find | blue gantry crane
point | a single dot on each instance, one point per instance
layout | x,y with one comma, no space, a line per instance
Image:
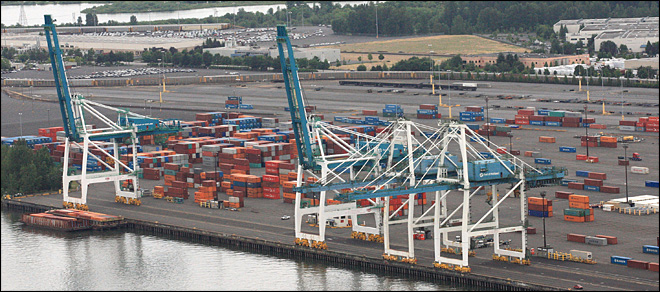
77,111
381,175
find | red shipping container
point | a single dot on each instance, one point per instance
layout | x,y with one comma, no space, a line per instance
593,182
575,185
429,106
653,267
610,239
627,123
552,119
580,157
638,264
598,175
576,237
609,189
531,230
562,195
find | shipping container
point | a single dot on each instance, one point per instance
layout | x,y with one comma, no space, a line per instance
651,183
610,239
619,260
595,241
575,237
567,149
650,249
635,264
581,254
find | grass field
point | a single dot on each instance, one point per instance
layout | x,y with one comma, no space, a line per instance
389,60
443,44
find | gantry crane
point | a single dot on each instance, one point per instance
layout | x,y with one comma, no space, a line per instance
76,112
395,162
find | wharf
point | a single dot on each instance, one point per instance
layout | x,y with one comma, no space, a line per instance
255,229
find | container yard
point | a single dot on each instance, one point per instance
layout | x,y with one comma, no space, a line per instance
228,175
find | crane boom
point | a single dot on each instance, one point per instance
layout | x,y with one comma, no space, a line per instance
61,83
295,98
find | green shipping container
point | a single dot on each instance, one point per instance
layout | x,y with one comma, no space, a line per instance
502,129
556,113
169,172
575,212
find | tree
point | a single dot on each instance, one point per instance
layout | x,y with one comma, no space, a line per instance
360,59
608,47
362,68
370,57
133,20
381,57
80,21
91,19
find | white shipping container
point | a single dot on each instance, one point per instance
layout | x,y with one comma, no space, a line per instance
581,254
607,207
639,169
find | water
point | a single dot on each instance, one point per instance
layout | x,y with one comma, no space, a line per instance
68,13
38,259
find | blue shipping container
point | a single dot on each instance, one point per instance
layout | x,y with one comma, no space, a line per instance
651,183
650,249
536,123
537,213
497,120
567,149
542,161
564,182
468,119
591,188
582,173
620,260
553,124
542,112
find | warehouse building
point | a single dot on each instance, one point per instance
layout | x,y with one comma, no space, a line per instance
632,32
529,59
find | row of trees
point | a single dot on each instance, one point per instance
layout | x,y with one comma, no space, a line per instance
197,58
27,171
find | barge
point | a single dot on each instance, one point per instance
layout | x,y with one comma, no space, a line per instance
72,220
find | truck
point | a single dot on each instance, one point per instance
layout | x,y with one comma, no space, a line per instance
635,157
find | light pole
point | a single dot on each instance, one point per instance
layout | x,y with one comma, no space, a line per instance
543,216
449,87
510,145
625,157
431,69
586,130
20,120
48,110
488,123
177,13
215,177
376,18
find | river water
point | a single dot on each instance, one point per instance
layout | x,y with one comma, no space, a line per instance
40,259
68,13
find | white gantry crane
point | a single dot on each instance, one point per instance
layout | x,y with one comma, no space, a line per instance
76,113
403,160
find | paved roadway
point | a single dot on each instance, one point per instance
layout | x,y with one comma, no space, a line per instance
262,215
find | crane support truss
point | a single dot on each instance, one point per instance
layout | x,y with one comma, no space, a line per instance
372,170
76,112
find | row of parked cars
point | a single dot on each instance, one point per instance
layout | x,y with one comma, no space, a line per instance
130,72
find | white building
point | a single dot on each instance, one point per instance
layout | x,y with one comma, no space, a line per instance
632,32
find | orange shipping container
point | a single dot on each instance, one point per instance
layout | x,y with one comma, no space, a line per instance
546,139
536,200
607,139
578,198
573,218
578,205
289,195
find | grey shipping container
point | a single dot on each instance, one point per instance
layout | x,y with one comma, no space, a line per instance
627,128
581,254
595,240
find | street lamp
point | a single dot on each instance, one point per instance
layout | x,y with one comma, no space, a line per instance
510,147
543,216
376,18
625,157
48,110
20,120
177,12
488,123
586,130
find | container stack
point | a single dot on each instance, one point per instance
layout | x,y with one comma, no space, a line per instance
271,186
392,110
472,114
206,192
253,187
211,118
396,202
244,123
288,195
579,210
428,111
233,102
539,207
50,132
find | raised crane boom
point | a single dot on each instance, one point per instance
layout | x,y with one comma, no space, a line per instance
295,98
61,83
